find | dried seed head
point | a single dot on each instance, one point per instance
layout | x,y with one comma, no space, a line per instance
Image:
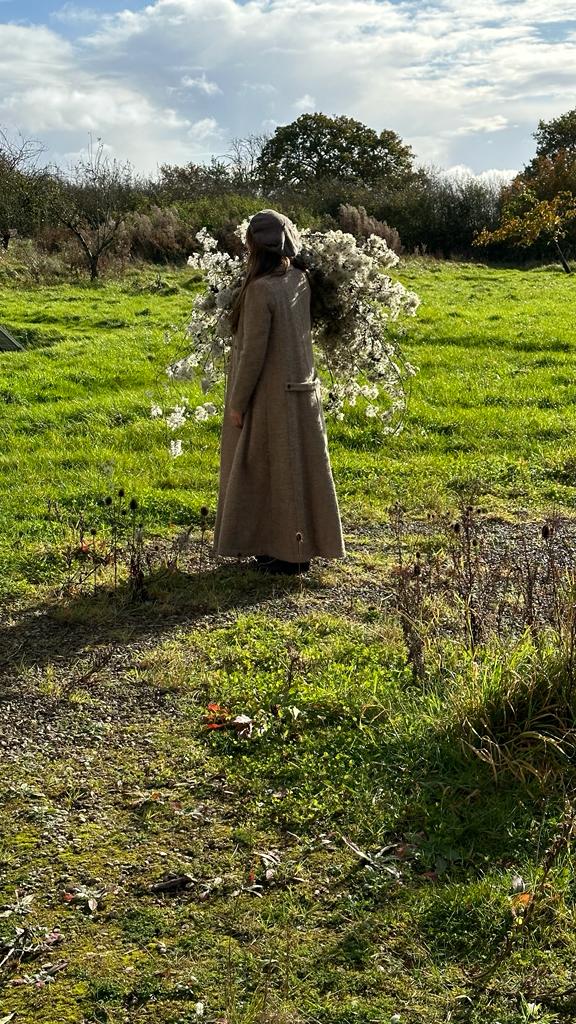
418,555
133,504
417,571
108,500
204,511
474,542
299,538
121,492
93,531
456,527
546,532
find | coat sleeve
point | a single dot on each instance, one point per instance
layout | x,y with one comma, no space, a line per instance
257,324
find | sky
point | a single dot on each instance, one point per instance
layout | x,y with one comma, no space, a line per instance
173,81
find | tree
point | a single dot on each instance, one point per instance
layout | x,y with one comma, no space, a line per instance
527,219
556,135
192,181
317,148
19,153
19,195
93,201
440,212
549,175
539,207
244,162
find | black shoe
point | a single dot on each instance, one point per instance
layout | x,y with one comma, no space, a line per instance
294,568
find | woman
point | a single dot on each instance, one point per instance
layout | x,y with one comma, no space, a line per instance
277,499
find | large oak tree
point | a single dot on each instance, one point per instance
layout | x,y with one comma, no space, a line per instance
317,148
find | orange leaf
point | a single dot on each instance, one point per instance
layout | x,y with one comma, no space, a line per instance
522,899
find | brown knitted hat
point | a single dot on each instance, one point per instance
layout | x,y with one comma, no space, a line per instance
275,232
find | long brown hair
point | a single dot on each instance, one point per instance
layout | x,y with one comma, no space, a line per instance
260,262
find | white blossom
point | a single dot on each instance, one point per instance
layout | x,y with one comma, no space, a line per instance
351,338
205,412
156,412
176,448
242,230
184,369
177,418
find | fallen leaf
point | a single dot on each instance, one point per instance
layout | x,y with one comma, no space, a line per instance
269,859
371,861
359,853
522,899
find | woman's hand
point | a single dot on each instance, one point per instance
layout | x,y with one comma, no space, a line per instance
237,418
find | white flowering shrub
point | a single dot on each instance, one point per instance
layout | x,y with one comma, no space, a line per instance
353,302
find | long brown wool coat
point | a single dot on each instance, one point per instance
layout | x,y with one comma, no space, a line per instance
277,494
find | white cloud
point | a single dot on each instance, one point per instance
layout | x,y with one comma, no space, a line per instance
462,83
495,176
482,124
202,84
71,14
204,130
305,103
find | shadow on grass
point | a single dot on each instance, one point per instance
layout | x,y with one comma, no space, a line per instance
60,630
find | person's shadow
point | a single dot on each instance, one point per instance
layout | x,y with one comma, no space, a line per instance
60,631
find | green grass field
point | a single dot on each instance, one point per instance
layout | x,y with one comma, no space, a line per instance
363,857
492,407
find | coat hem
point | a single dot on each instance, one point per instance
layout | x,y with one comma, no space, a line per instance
253,552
